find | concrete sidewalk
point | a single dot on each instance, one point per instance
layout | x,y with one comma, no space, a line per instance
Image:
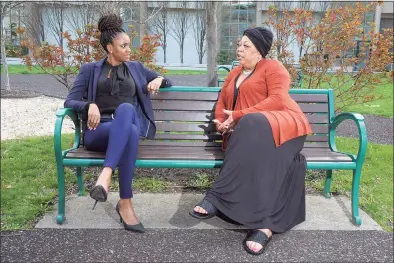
170,211
174,236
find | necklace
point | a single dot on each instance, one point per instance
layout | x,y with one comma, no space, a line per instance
245,72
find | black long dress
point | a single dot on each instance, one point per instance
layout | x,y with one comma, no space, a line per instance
261,185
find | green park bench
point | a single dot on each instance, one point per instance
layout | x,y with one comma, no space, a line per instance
294,84
187,138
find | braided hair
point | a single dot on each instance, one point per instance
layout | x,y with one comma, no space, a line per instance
109,26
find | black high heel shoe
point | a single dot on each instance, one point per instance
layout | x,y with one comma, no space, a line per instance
139,228
99,194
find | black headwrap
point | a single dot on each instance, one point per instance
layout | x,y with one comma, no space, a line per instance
261,39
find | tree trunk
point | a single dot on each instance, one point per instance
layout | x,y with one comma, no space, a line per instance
200,54
181,52
5,77
212,48
165,53
165,48
143,18
219,25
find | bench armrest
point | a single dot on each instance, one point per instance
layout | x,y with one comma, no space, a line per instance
362,133
60,115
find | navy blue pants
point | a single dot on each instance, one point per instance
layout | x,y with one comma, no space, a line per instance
119,139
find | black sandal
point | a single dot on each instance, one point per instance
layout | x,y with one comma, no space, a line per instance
207,206
258,237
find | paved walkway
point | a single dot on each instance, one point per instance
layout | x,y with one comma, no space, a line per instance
173,236
168,245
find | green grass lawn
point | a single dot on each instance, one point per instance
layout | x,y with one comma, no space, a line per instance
22,69
380,107
29,181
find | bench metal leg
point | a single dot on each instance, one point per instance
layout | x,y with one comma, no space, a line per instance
327,184
355,186
61,195
80,182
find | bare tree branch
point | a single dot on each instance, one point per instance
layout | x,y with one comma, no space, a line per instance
33,22
199,30
109,7
4,7
180,26
56,18
304,5
159,25
83,14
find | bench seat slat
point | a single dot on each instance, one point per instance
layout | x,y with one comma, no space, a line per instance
177,136
180,143
205,153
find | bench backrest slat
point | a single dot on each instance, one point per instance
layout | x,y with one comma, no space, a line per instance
209,106
211,127
183,118
209,116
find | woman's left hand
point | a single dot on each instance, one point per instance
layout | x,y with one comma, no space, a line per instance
154,85
229,124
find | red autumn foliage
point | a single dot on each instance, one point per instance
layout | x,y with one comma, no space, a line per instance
84,48
327,49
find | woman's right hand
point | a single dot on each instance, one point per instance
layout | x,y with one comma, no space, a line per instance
93,117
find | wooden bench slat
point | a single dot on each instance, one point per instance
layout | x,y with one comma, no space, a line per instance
183,127
177,136
186,96
309,97
183,116
183,105
314,108
316,138
317,118
210,105
211,127
205,153
316,145
206,117
218,137
214,96
180,143
152,155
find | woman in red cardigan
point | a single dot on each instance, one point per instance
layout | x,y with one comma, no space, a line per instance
261,184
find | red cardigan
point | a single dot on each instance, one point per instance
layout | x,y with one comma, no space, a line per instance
266,91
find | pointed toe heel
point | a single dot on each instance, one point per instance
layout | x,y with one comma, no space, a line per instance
99,194
138,228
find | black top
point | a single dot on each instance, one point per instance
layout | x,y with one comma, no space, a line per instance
115,86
